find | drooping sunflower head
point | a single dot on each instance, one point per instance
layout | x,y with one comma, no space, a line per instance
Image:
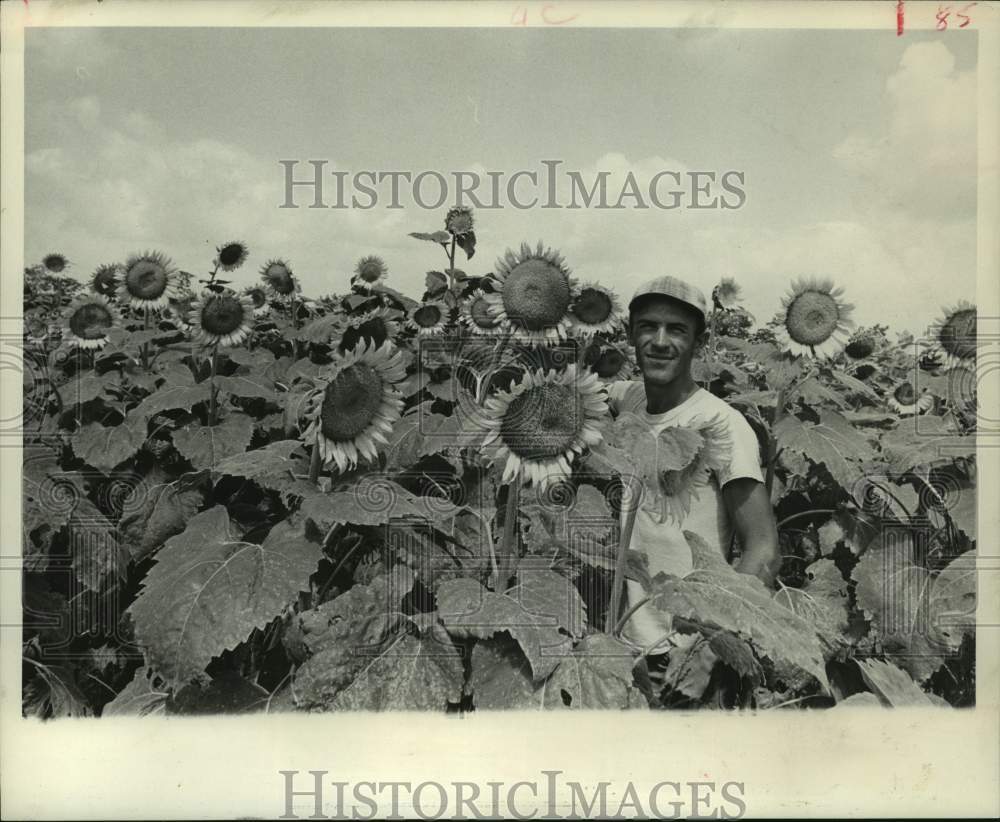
814,320
221,318
231,255
905,402
106,279
860,346
55,263
353,410
429,319
475,314
459,220
955,334
535,294
258,297
728,293
148,281
374,327
543,422
279,281
179,311
594,309
609,363
370,272
864,371
88,320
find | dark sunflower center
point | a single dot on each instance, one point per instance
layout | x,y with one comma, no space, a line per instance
280,279
257,297
863,372
105,281
221,315
231,254
54,262
812,318
592,306
536,294
427,316
375,331
370,272
146,280
90,321
480,313
542,422
350,402
958,334
904,394
459,222
859,349
609,363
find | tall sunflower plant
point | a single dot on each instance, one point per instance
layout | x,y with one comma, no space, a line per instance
361,448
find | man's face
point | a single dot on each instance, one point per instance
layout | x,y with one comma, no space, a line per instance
664,335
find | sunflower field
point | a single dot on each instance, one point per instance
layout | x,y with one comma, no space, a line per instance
240,498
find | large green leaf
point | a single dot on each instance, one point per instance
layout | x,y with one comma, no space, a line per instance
375,501
925,441
832,442
164,510
208,590
181,397
105,447
822,601
714,593
206,446
272,458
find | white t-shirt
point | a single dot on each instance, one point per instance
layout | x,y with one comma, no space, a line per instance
662,540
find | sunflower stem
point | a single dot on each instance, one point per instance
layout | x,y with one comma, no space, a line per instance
509,546
212,396
314,465
772,441
629,508
145,345
494,362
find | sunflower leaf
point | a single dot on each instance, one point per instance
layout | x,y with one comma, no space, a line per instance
247,387
596,675
500,677
925,441
164,511
270,459
375,500
321,330
138,698
442,237
208,590
105,447
206,446
467,242
715,593
435,284
170,399
893,686
832,442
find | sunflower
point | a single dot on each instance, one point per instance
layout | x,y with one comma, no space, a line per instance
55,263
179,311
369,273
258,296
148,282
955,334
88,320
459,220
353,410
231,255
609,362
105,280
543,422
535,294
595,309
814,320
864,370
727,294
221,317
474,313
279,281
374,327
905,402
429,318
860,346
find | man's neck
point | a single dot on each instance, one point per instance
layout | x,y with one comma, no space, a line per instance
661,398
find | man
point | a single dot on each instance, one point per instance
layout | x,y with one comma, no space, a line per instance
667,326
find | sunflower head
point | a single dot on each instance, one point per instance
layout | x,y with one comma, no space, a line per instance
594,309
221,317
610,364
370,272
475,314
258,298
865,371
860,346
88,320
535,294
727,294
459,220
105,280
374,328
814,319
231,255
353,409
429,318
148,281
543,422
55,263
905,402
279,281
179,310
955,334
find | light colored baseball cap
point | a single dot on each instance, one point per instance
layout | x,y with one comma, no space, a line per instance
674,288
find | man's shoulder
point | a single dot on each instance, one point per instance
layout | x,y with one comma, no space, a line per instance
627,395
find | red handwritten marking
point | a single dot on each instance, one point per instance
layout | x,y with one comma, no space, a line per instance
523,20
944,11
965,18
545,17
899,18
519,17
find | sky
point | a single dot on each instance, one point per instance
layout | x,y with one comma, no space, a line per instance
858,149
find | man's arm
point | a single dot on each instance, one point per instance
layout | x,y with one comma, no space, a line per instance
753,520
